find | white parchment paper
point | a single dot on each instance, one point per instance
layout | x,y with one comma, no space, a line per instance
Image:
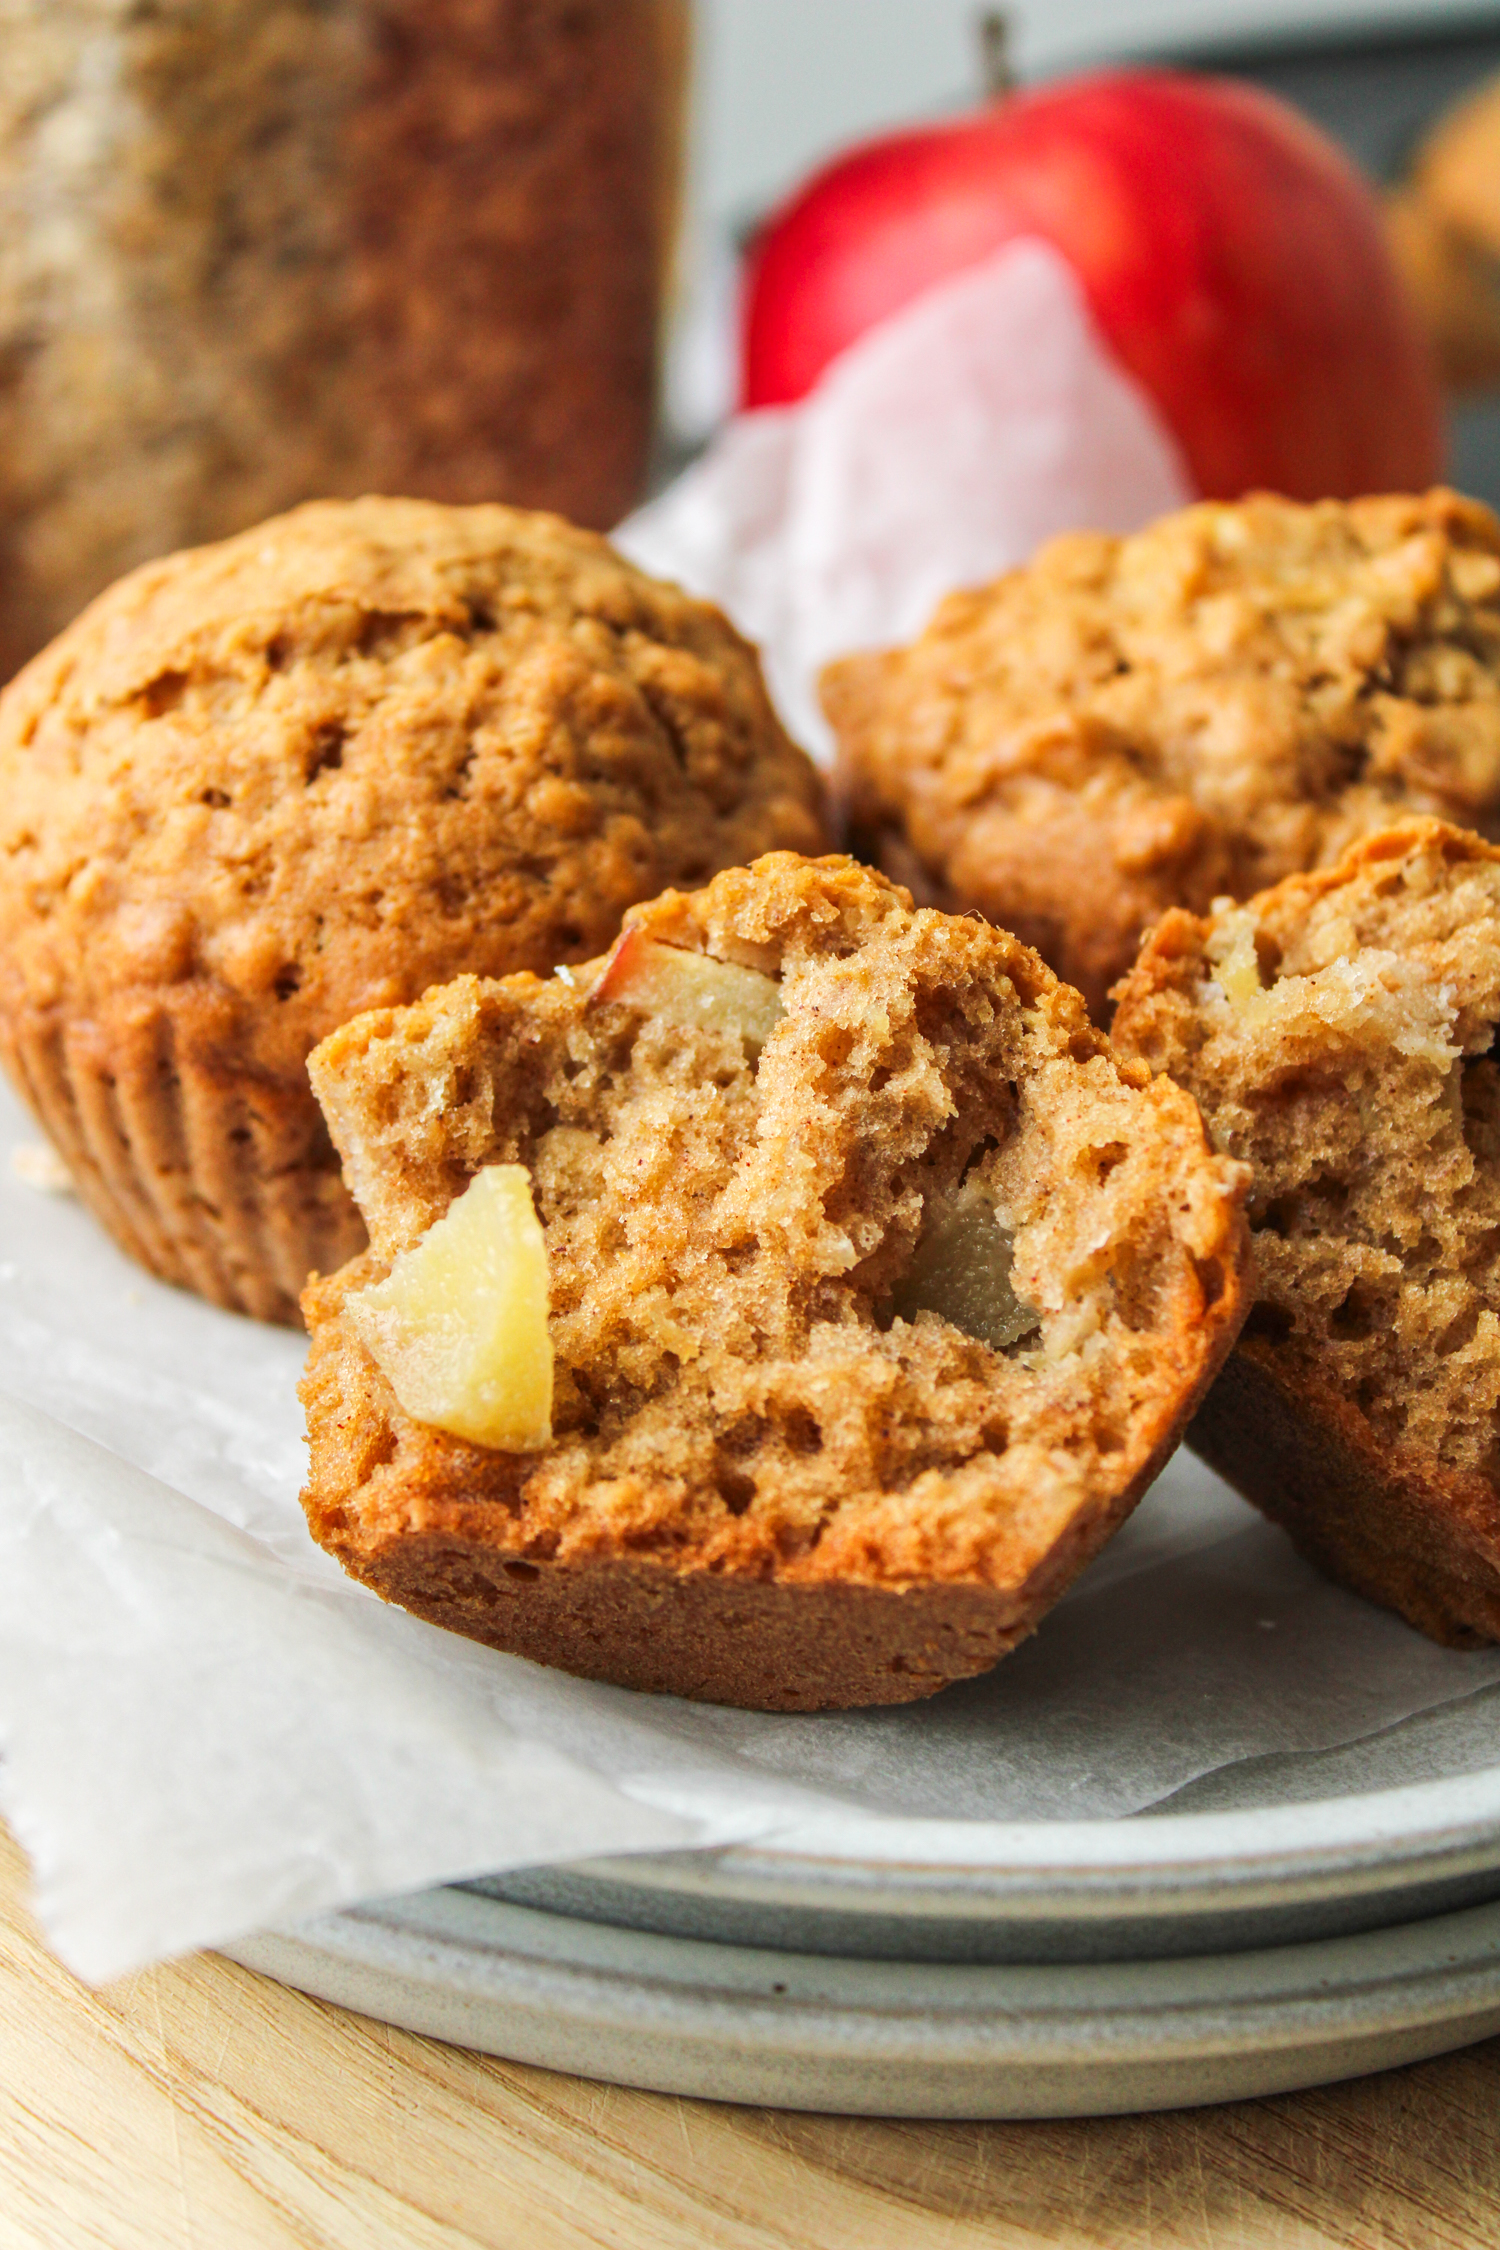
204,1728
207,1729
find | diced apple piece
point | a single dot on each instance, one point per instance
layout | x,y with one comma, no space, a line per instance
459,1325
691,989
961,1270
1236,962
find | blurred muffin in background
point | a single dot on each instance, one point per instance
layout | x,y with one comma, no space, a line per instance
261,786
1444,225
254,252
1227,697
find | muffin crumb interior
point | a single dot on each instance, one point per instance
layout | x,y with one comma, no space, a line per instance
1340,1035
748,1244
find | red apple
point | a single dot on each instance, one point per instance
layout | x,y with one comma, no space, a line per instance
1231,256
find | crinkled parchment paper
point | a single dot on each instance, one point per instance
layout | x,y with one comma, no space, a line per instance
943,447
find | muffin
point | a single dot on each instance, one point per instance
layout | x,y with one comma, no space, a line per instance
1454,277
261,786
1227,697
1444,228
1339,1033
780,1311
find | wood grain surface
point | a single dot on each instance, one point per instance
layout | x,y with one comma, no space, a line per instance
198,2107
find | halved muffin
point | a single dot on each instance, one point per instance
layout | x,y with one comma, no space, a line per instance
879,1290
1227,697
1339,1034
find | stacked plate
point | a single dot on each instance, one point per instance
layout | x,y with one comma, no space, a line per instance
1076,1968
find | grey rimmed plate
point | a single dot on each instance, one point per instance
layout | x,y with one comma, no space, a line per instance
980,1969
1061,1891
897,2038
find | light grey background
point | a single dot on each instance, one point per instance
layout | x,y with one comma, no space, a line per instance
781,85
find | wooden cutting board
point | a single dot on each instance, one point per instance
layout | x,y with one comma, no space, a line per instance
198,2107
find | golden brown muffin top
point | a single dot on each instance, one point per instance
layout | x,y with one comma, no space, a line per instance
335,759
1222,699
1455,281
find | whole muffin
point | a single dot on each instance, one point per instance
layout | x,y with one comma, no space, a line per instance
1226,698
261,786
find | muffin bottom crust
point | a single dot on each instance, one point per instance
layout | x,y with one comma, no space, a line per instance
471,1564
1414,1540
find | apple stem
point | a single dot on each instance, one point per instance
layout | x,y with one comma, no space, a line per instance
996,68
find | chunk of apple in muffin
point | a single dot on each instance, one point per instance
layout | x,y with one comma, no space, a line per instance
692,989
459,1324
962,1271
